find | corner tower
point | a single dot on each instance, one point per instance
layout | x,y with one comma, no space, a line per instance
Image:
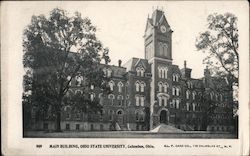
158,52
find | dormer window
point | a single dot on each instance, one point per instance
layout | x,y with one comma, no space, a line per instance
140,71
176,77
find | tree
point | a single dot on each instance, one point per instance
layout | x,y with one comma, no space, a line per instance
58,49
220,41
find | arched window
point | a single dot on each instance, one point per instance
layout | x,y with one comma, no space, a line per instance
120,85
165,72
111,85
160,45
159,72
142,100
165,87
137,86
111,99
194,105
142,72
137,100
177,91
160,101
187,94
188,106
165,49
177,104
194,94
101,98
92,96
174,77
164,100
78,92
120,99
173,91
162,72
79,80
143,86
138,71
160,86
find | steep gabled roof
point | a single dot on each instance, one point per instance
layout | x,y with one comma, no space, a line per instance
133,62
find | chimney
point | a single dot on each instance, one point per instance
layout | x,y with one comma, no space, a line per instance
206,72
186,72
119,63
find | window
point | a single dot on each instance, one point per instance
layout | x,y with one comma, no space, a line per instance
78,92
140,71
92,96
164,101
101,98
120,99
176,77
194,105
221,97
194,94
142,100
160,101
187,94
137,86
79,80
111,113
160,86
189,84
188,106
176,91
120,85
137,116
137,100
165,87
162,72
92,87
111,98
111,85
67,126
177,104
142,86
77,126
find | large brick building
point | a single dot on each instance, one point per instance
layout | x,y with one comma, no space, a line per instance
149,91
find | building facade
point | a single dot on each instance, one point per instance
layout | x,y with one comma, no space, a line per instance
151,91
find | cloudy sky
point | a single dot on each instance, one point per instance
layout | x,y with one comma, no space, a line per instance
121,25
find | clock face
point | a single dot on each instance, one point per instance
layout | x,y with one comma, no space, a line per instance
163,29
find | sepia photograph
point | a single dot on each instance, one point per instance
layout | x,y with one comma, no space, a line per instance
127,70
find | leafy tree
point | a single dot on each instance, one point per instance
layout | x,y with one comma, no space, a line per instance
220,41
56,50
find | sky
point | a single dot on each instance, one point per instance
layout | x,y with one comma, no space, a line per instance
121,25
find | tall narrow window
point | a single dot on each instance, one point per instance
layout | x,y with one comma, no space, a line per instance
160,86
187,94
142,72
164,101
120,99
177,104
142,86
194,94
166,72
142,100
137,86
160,101
111,99
188,105
111,85
120,85
137,100
138,71
165,86
173,91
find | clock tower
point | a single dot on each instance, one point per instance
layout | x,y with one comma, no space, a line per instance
158,37
158,52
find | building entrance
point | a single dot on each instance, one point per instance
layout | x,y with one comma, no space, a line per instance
164,117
